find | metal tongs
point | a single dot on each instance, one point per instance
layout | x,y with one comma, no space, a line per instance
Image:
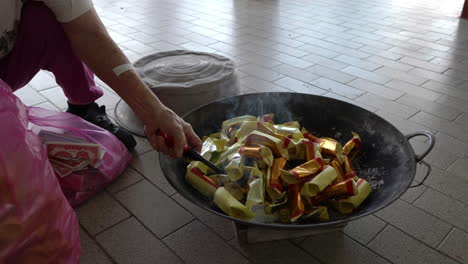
190,153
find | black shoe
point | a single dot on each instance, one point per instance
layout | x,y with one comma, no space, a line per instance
97,115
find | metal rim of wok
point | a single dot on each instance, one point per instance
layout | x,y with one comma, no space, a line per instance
207,119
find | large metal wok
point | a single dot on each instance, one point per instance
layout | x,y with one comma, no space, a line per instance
386,154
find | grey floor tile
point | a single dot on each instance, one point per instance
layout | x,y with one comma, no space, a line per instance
438,77
343,42
452,144
164,46
55,96
90,251
143,37
405,126
336,87
440,124
148,165
137,46
274,252
411,194
318,59
438,157
354,102
109,100
296,73
401,75
153,208
291,60
380,52
319,51
129,177
29,96
429,44
331,73
221,226
460,168
261,72
42,80
390,63
142,146
412,53
372,43
289,50
456,74
374,76
363,64
374,88
401,44
336,247
260,85
100,213
444,207
415,222
414,90
195,243
258,59
387,105
455,245
454,102
424,64
449,184
226,48
299,86
430,106
401,248
364,229
462,119
197,47
130,242
47,105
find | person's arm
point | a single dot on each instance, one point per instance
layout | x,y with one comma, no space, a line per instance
95,47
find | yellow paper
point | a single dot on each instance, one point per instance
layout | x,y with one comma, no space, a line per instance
212,148
234,123
235,169
346,206
291,132
275,144
232,207
263,155
235,190
196,177
319,182
256,194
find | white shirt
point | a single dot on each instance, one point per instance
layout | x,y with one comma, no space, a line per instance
10,14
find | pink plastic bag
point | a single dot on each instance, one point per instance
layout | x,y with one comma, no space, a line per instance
37,225
80,186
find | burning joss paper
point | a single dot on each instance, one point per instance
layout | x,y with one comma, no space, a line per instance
303,171
274,182
352,147
277,172
346,206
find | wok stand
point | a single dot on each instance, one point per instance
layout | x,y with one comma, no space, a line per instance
254,234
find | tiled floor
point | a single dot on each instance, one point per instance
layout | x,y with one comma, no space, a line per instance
406,60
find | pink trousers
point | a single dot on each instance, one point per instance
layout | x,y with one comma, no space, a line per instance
42,44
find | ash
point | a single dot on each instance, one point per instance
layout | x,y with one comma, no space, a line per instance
373,176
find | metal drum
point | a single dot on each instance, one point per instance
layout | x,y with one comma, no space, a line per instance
183,80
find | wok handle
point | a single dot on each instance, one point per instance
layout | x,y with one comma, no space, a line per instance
419,158
431,138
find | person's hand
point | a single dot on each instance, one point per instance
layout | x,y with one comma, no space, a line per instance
175,128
